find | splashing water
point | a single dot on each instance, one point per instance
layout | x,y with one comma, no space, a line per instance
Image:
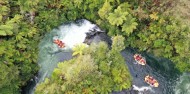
142,89
74,34
183,85
71,34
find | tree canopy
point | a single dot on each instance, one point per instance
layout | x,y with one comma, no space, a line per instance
144,24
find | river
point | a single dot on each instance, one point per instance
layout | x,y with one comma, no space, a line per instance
170,80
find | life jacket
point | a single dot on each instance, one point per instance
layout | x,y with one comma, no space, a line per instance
142,60
137,57
59,43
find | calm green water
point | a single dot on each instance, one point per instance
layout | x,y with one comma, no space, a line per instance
183,85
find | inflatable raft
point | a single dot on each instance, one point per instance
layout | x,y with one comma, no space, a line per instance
139,59
59,43
151,81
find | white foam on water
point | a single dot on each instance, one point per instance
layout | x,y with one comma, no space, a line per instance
142,89
74,34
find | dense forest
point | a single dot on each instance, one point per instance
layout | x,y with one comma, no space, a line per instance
147,25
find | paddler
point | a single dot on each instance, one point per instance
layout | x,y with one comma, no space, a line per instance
151,81
137,57
59,43
143,61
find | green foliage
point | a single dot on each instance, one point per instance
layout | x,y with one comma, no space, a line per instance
105,10
91,72
8,79
7,24
29,5
18,49
51,89
166,37
78,49
129,25
118,17
4,9
157,33
24,22
10,26
118,43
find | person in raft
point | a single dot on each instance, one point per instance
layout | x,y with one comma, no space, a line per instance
59,43
151,81
139,59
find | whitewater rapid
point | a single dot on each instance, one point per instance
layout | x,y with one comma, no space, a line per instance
71,34
74,34
50,54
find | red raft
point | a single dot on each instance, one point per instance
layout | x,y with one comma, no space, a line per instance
59,43
151,81
139,59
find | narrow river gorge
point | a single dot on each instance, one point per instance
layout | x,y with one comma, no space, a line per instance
170,80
